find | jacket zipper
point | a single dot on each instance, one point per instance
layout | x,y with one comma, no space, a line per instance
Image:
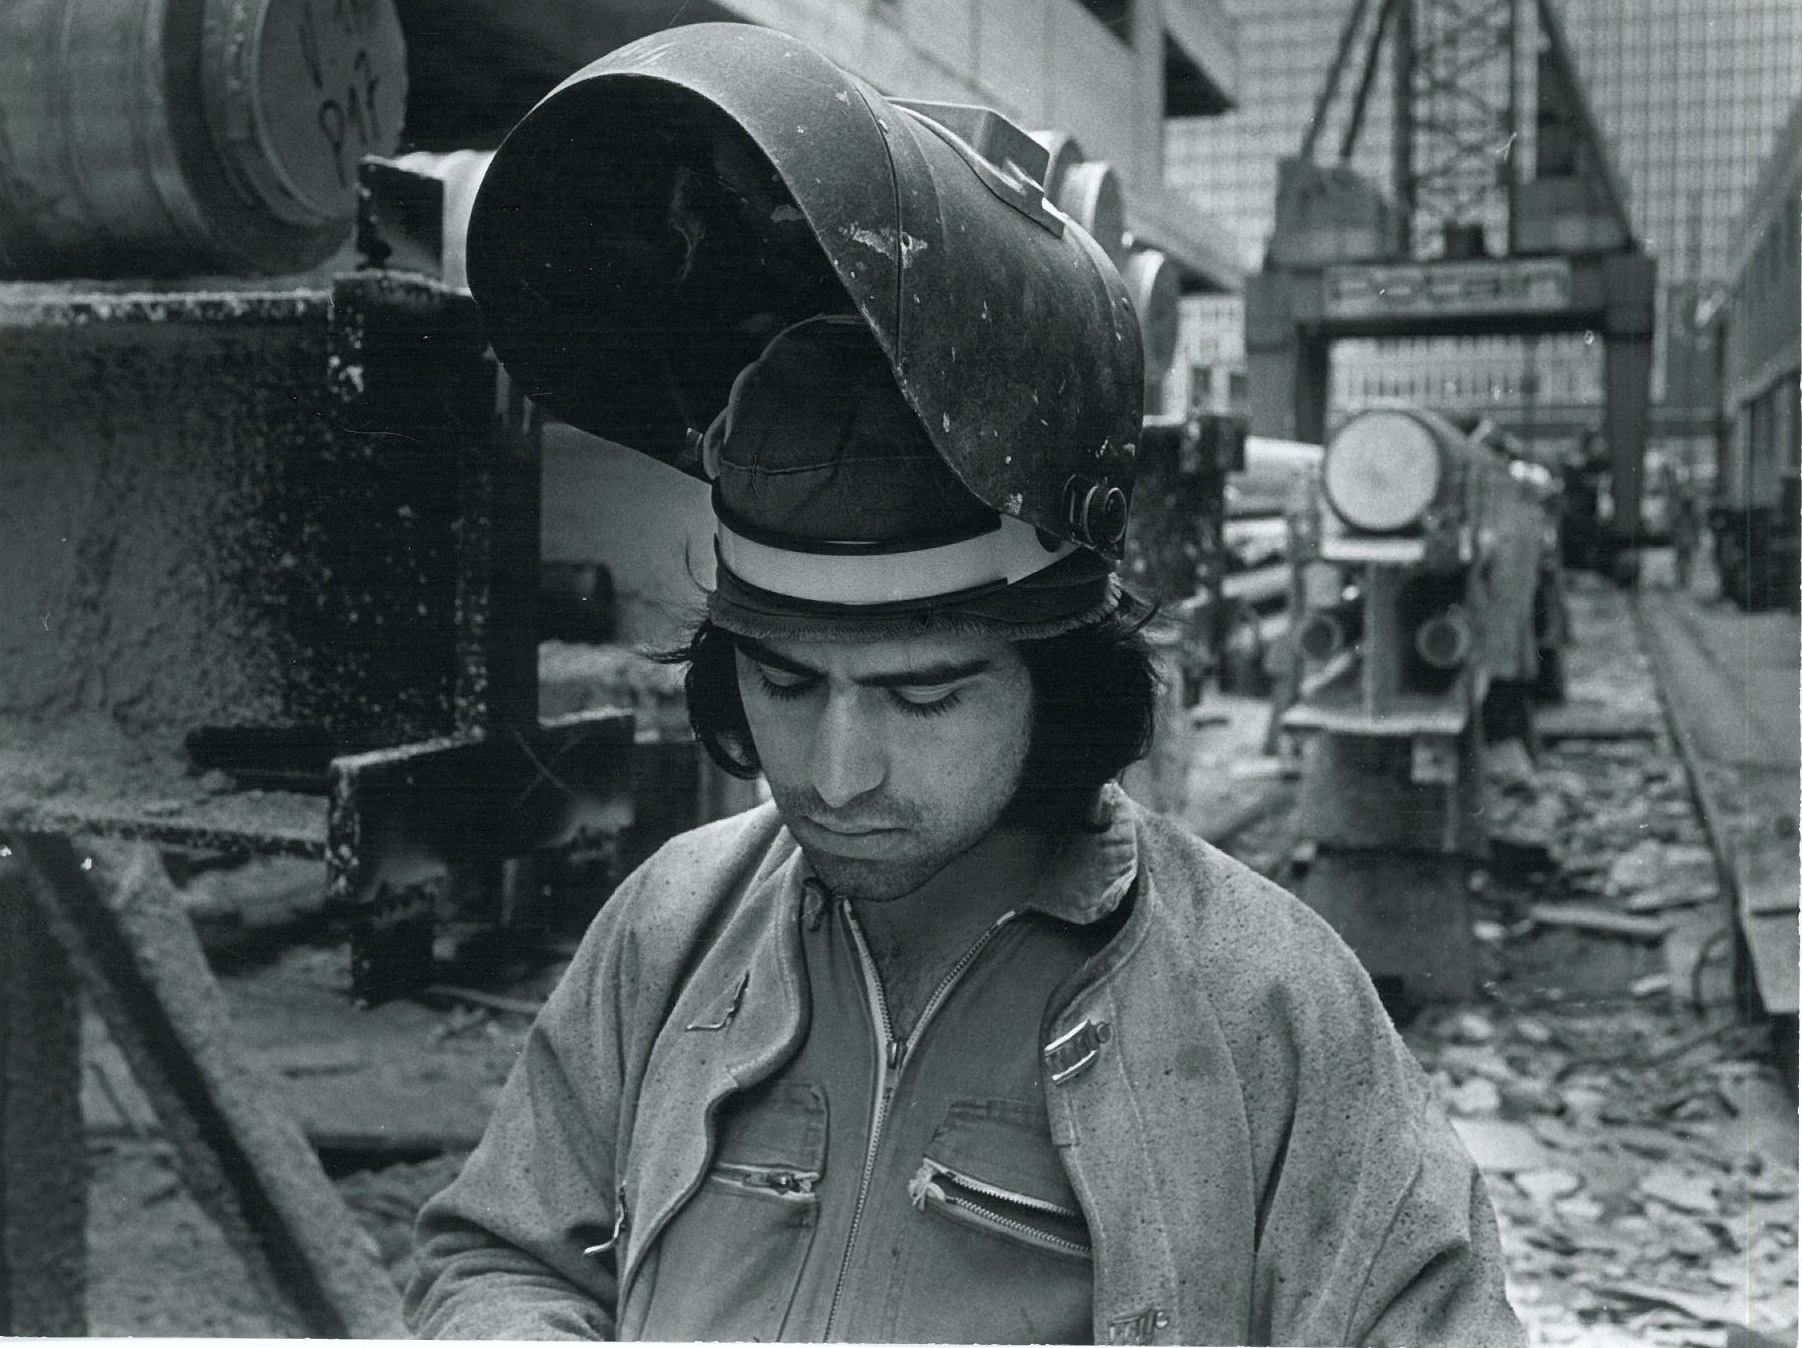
766,1179
965,1193
891,1058
611,1244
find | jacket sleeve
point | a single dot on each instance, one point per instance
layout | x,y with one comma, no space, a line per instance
1420,1259
1457,1295
1375,1227
500,1252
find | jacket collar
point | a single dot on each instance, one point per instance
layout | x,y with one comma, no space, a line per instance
1091,872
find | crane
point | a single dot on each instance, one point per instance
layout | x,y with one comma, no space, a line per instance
1502,213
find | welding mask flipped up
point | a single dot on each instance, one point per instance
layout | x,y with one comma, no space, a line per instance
719,201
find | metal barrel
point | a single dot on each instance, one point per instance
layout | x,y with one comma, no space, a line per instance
160,138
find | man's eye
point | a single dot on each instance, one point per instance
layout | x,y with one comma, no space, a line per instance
934,701
782,686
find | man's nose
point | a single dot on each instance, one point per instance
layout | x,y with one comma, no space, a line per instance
848,758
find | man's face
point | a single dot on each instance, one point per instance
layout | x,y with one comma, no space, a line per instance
887,759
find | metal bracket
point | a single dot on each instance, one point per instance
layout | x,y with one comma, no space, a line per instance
415,829
1010,163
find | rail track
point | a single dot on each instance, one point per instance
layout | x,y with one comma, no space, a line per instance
1729,684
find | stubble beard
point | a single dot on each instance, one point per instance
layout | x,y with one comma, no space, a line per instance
884,880
871,881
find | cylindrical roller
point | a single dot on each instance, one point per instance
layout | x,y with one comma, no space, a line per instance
170,137
1383,471
1063,153
1151,280
1323,633
1090,194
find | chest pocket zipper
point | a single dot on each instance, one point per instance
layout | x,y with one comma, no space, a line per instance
1034,1221
776,1181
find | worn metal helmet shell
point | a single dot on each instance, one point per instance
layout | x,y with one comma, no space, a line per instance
647,228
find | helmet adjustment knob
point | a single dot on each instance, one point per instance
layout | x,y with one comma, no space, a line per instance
1097,512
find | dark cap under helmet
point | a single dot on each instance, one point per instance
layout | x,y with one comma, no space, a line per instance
837,517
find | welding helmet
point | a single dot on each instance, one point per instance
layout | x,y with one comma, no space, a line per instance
671,217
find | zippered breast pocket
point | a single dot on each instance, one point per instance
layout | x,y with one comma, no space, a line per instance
728,1262
776,1182
1038,1222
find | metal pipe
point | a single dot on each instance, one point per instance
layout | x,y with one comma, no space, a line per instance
1403,131
1444,641
1323,633
1355,124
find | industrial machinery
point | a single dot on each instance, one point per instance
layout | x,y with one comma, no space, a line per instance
203,138
1748,792
272,558
1176,552
1209,545
271,551
1420,559
291,609
1258,588
1502,215
1543,497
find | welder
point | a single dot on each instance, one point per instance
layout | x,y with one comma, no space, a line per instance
951,1040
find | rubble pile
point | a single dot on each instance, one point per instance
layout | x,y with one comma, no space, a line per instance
1603,838
1643,1194
1638,1140
1631,1125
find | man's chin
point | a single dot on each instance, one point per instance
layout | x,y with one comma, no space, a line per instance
867,880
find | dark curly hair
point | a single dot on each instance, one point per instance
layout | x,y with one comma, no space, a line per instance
1094,703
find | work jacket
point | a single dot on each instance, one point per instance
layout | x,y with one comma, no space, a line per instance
1258,1156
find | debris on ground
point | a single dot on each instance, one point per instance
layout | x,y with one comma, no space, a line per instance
158,1265
1637,1138
1623,1151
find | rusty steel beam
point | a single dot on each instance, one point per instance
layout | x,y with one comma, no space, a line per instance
43,1157
113,913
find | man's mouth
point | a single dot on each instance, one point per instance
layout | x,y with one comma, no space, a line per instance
847,830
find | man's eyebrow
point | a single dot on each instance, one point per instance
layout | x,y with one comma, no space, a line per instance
763,655
926,676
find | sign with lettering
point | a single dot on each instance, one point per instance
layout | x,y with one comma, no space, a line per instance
1537,285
